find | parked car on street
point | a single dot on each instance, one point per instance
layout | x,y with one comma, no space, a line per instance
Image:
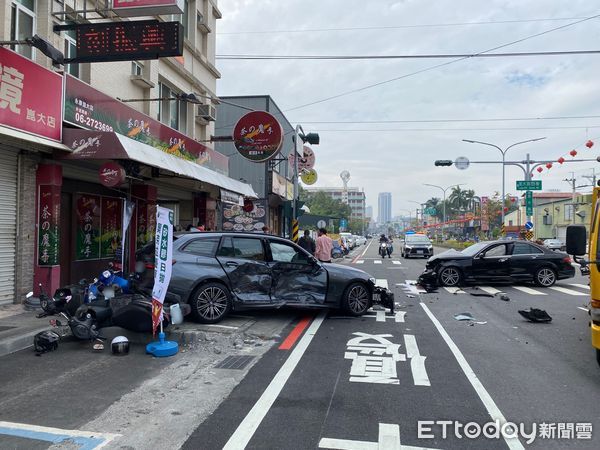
360,240
555,244
500,261
217,272
416,245
349,239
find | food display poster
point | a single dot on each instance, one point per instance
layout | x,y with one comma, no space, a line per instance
236,219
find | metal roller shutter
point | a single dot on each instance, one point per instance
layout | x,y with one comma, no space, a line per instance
8,223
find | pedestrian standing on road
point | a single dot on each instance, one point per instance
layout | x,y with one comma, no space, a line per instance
324,246
307,243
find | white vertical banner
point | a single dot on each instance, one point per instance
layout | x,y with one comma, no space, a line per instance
163,262
128,207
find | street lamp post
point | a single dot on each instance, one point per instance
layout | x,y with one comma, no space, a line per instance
503,161
444,204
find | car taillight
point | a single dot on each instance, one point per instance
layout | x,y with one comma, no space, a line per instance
149,266
567,260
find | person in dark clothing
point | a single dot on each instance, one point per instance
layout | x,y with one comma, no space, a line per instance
307,243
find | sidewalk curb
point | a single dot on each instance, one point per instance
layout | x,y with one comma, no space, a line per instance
20,342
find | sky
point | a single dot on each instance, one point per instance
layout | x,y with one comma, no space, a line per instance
398,157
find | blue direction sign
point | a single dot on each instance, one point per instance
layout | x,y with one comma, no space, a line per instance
529,225
343,223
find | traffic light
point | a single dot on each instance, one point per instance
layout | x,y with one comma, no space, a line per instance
443,162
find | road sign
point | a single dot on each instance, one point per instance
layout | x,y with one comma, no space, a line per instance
529,202
529,225
529,185
343,224
321,223
462,163
430,211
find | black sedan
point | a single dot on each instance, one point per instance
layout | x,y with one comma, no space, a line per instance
222,271
500,261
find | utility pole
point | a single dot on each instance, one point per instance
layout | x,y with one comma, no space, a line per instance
572,180
591,177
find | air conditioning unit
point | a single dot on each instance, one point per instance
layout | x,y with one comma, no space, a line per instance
206,113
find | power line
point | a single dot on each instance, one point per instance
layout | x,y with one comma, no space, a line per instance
375,130
393,27
370,86
384,57
506,119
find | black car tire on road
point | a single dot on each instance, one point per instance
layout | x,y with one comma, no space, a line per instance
450,276
210,303
545,277
356,300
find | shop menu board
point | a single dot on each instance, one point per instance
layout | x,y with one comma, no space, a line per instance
98,226
236,219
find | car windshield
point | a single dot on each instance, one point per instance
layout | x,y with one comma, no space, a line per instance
417,239
473,249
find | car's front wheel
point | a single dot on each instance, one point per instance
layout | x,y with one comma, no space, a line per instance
210,303
357,299
450,276
545,277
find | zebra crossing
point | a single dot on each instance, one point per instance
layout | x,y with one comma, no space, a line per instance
378,261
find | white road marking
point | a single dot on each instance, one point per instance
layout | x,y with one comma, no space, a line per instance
360,261
582,286
567,291
381,282
246,429
417,362
489,290
455,290
378,261
399,316
486,398
583,309
389,439
396,262
528,290
363,252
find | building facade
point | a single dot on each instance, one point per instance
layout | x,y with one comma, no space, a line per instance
384,207
356,199
75,168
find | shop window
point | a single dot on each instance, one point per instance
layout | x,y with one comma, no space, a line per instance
71,52
22,25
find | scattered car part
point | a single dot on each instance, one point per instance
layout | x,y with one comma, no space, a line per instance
536,315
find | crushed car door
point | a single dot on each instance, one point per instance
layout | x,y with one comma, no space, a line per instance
243,260
297,277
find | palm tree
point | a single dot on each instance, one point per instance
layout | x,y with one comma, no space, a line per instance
457,198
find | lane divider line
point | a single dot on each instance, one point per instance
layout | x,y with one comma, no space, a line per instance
493,410
363,252
294,335
247,427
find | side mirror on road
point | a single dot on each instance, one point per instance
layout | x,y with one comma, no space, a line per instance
576,240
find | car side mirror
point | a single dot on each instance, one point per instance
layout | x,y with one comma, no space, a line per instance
576,240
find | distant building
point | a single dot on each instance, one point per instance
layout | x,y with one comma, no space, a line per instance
384,207
356,199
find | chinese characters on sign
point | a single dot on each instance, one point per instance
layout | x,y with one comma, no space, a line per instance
258,136
146,223
163,262
99,226
30,96
48,231
110,237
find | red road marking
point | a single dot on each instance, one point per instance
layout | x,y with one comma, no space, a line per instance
295,333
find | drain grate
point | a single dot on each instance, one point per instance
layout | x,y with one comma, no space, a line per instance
234,362
4,328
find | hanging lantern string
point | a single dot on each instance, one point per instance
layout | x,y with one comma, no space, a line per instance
561,159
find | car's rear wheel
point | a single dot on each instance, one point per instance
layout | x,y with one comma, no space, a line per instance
210,303
357,299
545,277
450,276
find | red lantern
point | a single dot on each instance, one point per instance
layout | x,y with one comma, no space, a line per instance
561,160
573,152
589,144
549,165
505,209
540,169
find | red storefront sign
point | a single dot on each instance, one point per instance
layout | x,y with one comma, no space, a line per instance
110,234
111,174
48,230
87,240
131,8
258,136
30,96
88,108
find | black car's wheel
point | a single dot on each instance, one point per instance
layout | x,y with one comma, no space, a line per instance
545,277
357,299
210,303
450,276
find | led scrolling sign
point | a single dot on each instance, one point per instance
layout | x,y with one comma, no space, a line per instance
126,41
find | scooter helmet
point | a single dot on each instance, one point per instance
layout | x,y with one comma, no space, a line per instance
45,341
120,345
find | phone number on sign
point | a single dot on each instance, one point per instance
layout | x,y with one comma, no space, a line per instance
92,123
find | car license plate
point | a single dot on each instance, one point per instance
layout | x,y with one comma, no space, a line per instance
420,252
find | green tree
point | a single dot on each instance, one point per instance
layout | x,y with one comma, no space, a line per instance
321,203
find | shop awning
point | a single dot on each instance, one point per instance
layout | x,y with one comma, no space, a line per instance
87,144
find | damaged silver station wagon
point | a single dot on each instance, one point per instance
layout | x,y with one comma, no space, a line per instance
216,272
